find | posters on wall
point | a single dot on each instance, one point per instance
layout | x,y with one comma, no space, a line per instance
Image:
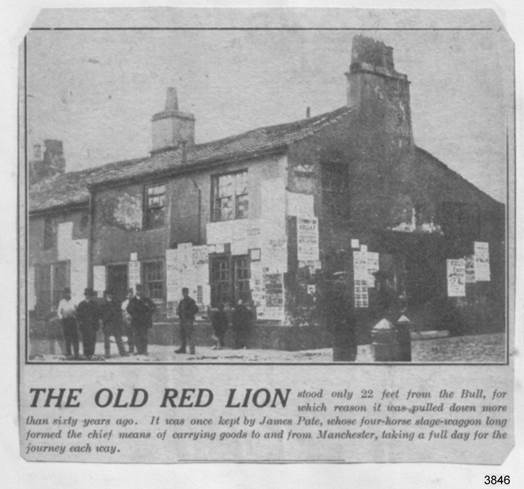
307,240
133,271
300,205
470,269
456,277
372,266
99,279
482,267
360,279
188,266
274,296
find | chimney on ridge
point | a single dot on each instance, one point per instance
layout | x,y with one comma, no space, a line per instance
171,128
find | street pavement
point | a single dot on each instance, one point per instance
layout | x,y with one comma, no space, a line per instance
486,348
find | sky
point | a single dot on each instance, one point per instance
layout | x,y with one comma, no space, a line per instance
97,90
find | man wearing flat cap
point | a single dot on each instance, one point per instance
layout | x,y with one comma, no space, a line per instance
88,315
67,314
112,324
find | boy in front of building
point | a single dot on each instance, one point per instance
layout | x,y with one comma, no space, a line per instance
112,324
88,315
67,314
141,309
186,311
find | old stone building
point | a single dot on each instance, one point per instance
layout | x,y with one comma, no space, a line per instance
268,215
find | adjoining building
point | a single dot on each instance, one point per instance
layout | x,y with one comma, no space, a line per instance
266,216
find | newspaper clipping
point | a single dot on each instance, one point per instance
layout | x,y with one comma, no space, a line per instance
266,236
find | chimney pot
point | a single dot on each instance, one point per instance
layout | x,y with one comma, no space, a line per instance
171,99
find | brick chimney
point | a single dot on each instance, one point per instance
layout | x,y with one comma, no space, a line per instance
374,86
171,128
51,163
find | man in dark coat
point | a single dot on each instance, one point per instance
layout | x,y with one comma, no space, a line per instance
383,300
340,318
220,323
141,309
241,320
112,324
88,316
186,311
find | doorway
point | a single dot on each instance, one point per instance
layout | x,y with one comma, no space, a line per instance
229,279
117,281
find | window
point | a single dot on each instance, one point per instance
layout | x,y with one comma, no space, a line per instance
155,206
335,182
229,277
49,233
230,196
220,281
153,279
84,222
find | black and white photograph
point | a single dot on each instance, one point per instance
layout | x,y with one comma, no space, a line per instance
265,236
266,196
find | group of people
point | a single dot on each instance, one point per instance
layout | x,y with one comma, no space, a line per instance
240,318
133,318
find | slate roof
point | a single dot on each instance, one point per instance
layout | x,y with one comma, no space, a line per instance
72,187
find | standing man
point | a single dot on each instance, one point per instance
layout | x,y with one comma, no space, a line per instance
88,315
241,320
186,311
126,319
220,322
112,324
67,314
141,309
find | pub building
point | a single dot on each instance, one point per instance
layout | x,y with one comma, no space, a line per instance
269,215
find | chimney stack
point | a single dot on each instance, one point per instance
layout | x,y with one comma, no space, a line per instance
171,127
375,86
51,163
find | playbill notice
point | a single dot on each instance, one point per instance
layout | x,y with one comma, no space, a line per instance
266,236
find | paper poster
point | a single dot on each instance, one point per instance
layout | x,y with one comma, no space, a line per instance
300,205
456,277
99,279
307,240
361,293
482,268
470,269
360,266
133,268
64,238
373,266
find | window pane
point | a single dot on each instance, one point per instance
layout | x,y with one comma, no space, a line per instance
242,206
226,208
155,206
230,196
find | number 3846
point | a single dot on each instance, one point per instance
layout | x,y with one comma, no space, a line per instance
497,479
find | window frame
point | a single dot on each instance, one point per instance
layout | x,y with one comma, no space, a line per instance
146,221
161,280
215,186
